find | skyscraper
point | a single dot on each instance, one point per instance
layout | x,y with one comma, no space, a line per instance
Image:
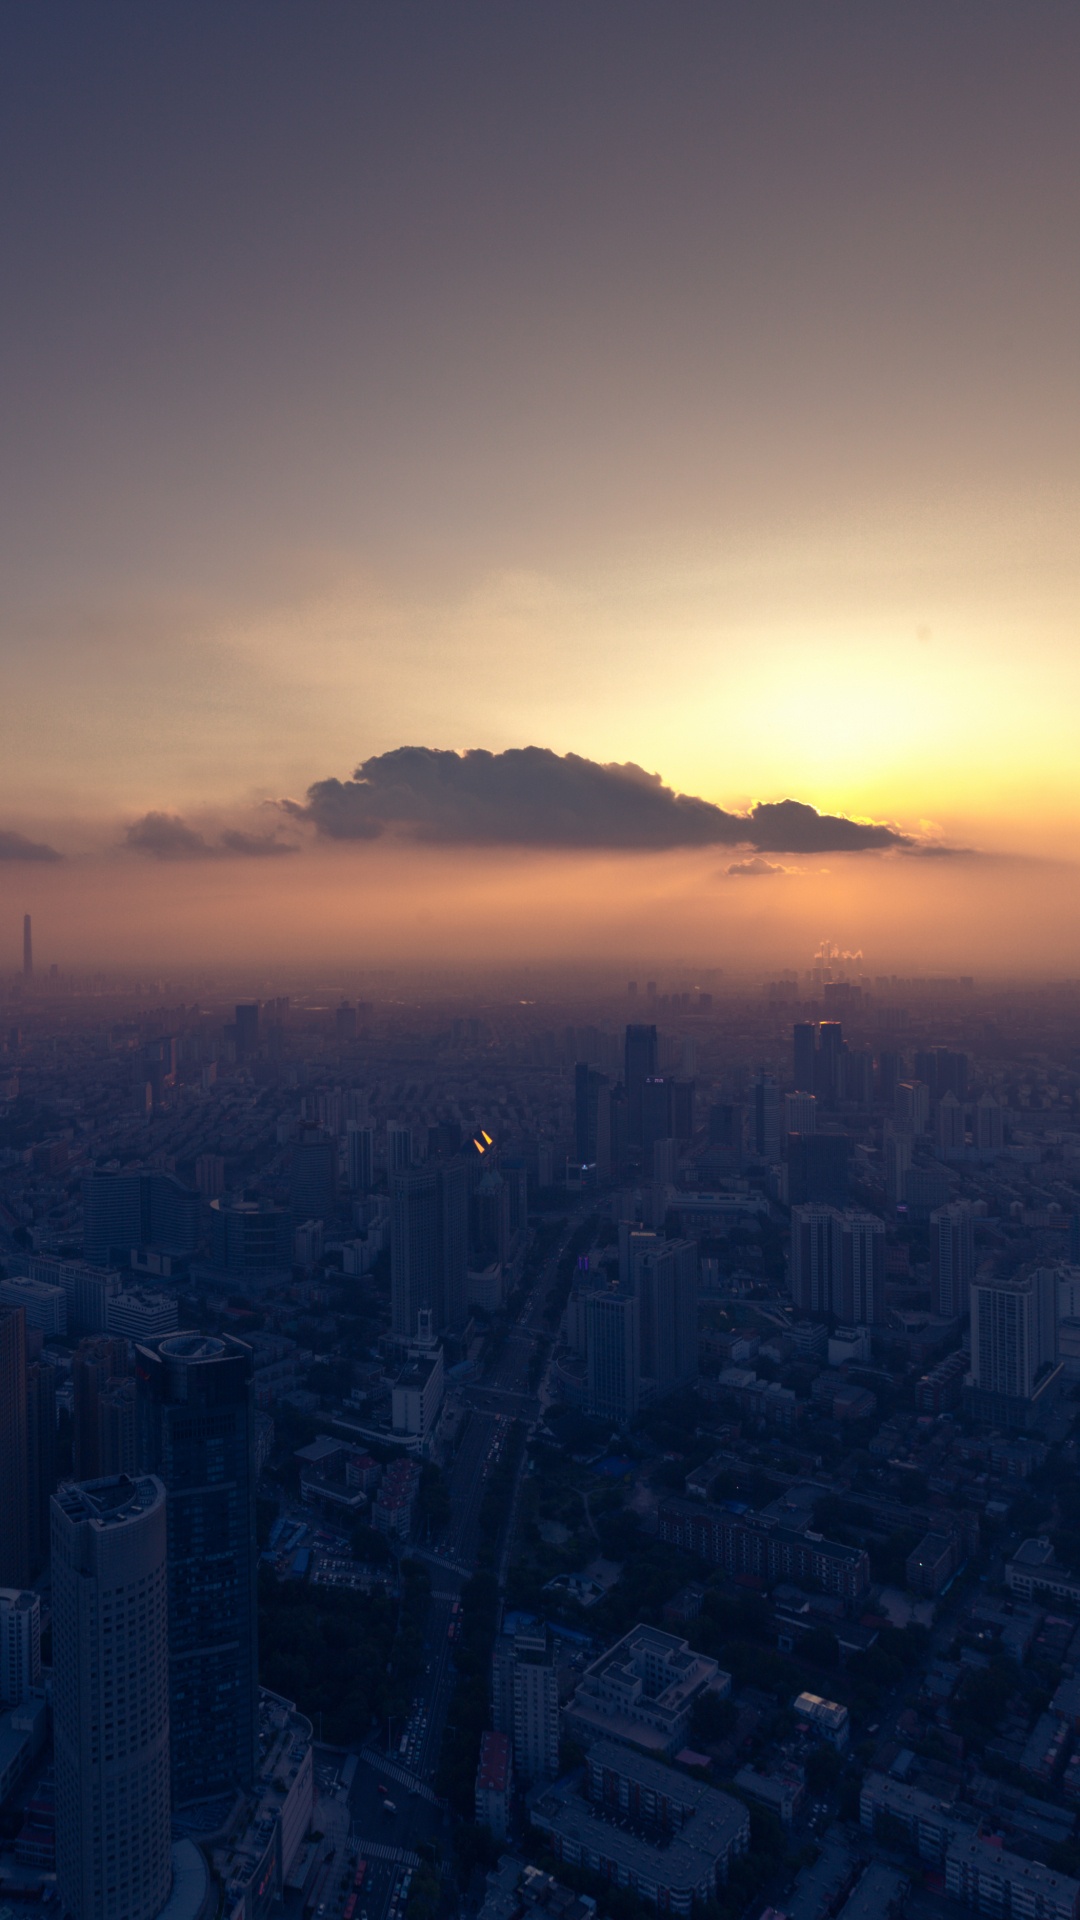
827,1060
1013,1332
27,948
640,1065
592,1119
429,1246
111,1699
665,1278
313,1176
14,1451
95,1365
804,1049
838,1264
766,1117
525,1701
613,1335
360,1149
40,1458
817,1168
952,1260
196,1431
20,1644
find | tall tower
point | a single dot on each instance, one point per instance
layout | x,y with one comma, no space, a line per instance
196,1424
27,949
640,1062
111,1699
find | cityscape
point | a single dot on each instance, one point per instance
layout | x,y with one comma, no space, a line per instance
539,961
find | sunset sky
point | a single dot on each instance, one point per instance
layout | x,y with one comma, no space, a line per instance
693,388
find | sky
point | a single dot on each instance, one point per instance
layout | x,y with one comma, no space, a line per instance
692,390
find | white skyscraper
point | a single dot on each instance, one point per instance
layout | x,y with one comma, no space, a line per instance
111,1698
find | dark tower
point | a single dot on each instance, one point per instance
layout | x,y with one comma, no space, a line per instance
27,949
641,1056
196,1425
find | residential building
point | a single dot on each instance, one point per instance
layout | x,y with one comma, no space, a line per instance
952,1260
613,1345
927,1823
838,1263
984,1875
20,1644
494,1784
1013,1333
45,1306
111,1699
827,1718
749,1544
525,1701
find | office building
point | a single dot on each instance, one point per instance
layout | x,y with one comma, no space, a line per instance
800,1113
360,1157
88,1288
613,1340
250,1236
14,1451
27,948
429,1246
804,1051
592,1120
817,1168
952,1260
111,1699
827,1068
45,1306
1013,1333
911,1108
20,1644
125,1212
665,1278
247,1031
989,1126
643,1691
313,1175
196,1421
838,1264
494,1784
141,1313
525,1700
640,1063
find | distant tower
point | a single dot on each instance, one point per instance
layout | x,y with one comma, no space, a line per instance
27,949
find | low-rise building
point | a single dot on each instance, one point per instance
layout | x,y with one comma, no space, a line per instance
140,1314
1034,1572
750,1544
931,1565
643,1691
782,1793
694,1832
929,1825
827,1718
982,1874
45,1306
494,1784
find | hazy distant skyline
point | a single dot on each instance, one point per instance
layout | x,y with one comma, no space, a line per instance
695,389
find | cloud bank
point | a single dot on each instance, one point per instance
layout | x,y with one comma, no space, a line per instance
166,836
15,846
532,797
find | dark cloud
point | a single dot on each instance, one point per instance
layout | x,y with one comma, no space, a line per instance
755,868
530,796
15,846
165,836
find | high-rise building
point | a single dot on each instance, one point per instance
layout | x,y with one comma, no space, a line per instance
1013,1332
952,1260
127,1211
613,1336
429,1245
912,1106
20,1644
950,1128
890,1072
657,1117
897,1151
592,1119
14,1451
766,1117
40,1458
27,948
817,1168
111,1699
196,1421
640,1065
210,1175
800,1113
827,1061
804,1050
989,1125
250,1236
838,1264
95,1364
360,1153
247,1030
313,1176
399,1148
664,1275
525,1701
